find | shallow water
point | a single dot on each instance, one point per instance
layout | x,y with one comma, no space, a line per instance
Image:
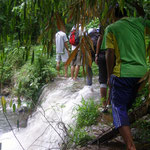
44,128
57,102
13,118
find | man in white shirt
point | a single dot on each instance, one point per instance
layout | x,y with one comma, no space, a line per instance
62,51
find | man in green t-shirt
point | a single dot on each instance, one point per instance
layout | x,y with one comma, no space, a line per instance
126,48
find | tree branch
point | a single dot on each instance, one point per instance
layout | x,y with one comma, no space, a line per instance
138,7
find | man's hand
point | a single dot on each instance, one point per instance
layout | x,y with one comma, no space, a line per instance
66,46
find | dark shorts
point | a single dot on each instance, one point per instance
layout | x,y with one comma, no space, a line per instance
122,95
102,68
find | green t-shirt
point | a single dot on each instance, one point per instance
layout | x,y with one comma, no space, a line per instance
127,38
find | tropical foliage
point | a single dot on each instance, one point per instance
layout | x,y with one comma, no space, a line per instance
26,23
86,115
32,21
25,20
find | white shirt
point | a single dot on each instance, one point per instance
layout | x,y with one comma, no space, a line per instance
60,38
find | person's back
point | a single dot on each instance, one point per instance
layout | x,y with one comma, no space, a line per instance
126,48
130,48
94,35
62,51
60,38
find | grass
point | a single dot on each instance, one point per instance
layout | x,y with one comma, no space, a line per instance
86,115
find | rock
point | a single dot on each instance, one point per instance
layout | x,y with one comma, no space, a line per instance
5,91
23,109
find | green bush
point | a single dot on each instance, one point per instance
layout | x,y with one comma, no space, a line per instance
31,77
93,24
78,136
87,113
10,61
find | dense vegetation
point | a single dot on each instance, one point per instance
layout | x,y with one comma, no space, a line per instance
28,23
27,50
28,27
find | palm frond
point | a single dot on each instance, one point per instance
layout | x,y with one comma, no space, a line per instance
72,55
60,24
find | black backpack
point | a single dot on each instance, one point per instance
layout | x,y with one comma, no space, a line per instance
94,35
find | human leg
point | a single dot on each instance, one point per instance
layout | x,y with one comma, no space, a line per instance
66,70
122,90
77,63
108,99
103,93
64,58
76,72
89,75
125,132
58,68
72,71
58,58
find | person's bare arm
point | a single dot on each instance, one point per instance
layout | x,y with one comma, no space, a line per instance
99,42
110,58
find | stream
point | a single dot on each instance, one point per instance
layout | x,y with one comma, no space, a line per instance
43,130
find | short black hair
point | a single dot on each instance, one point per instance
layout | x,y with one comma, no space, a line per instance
120,13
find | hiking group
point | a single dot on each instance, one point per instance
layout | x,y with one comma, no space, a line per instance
121,55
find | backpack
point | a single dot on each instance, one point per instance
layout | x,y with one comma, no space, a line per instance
94,35
74,37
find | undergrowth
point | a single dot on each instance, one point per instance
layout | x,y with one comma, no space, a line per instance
31,77
86,115
143,130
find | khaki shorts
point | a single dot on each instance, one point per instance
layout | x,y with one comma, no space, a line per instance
62,57
77,60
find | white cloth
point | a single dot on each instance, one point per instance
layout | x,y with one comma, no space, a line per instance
60,38
90,30
80,33
62,57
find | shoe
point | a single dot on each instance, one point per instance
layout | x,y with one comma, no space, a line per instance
70,79
104,110
108,107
